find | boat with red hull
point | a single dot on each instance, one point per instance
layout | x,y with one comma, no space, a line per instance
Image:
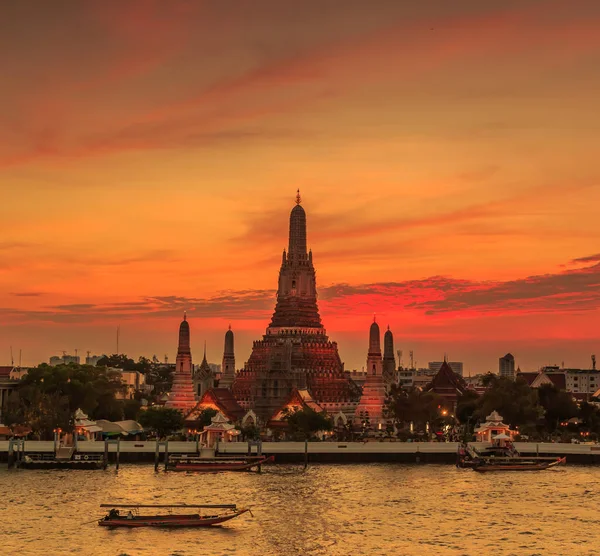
206,516
215,465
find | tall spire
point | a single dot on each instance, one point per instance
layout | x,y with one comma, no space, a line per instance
297,244
374,339
184,336
185,315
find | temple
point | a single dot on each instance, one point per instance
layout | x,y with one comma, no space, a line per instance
448,385
204,378
369,412
295,352
182,392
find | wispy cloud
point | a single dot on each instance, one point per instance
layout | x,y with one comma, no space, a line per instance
562,292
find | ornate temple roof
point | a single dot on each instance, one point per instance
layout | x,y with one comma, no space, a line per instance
447,382
220,399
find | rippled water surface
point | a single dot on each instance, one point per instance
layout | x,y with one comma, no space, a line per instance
335,509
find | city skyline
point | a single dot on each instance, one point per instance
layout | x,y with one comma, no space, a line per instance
453,196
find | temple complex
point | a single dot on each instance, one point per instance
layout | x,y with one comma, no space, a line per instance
295,352
372,401
182,392
228,365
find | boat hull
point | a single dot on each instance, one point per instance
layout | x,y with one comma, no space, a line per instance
212,466
491,468
169,521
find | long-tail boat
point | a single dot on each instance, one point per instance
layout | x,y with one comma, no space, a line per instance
215,465
205,516
516,464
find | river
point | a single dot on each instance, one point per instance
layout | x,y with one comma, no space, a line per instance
369,509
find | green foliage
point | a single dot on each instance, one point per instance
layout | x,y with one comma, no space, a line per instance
161,378
558,406
414,405
304,423
466,406
121,361
161,420
205,417
250,432
513,399
131,408
49,396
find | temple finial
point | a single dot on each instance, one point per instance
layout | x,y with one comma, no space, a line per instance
374,317
230,327
388,326
185,315
298,198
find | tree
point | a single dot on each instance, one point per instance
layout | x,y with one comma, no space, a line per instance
414,405
131,408
49,396
304,423
513,399
161,420
250,432
161,378
118,361
558,406
466,406
205,417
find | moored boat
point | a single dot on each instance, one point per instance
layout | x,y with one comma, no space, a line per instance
517,464
215,465
206,515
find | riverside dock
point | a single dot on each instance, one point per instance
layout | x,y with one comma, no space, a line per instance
294,452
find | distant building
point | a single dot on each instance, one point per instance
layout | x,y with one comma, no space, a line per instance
134,382
456,366
506,366
581,383
418,378
64,360
93,359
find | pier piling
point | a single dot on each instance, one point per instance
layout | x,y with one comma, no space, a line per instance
157,455
305,453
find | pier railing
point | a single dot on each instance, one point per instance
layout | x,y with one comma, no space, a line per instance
268,448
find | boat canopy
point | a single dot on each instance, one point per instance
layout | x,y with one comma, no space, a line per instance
228,506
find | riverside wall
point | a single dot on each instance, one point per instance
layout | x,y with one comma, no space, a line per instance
318,452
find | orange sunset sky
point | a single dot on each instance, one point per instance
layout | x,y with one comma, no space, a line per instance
446,152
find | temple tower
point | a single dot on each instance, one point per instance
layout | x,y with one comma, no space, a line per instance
204,378
295,351
370,407
389,359
297,287
182,392
228,364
